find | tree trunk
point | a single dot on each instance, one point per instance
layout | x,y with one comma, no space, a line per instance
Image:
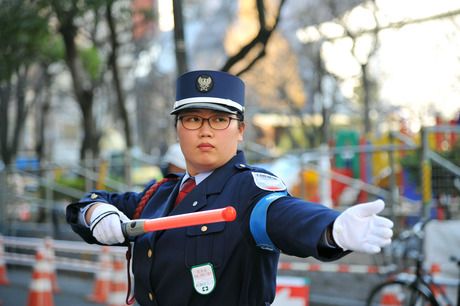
21,111
5,94
116,76
82,88
40,144
181,56
9,141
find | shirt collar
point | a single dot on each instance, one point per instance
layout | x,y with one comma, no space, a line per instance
198,178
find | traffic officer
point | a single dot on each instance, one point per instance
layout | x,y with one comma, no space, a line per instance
232,263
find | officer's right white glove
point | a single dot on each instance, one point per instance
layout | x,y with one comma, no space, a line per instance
105,224
359,228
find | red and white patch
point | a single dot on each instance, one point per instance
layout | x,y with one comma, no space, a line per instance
268,182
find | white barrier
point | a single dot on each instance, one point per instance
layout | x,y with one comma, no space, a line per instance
82,257
69,254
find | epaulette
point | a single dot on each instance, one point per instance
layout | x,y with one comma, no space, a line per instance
243,166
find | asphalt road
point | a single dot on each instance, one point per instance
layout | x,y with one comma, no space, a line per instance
338,289
73,288
326,289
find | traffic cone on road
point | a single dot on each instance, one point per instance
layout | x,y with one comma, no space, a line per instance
102,283
3,275
118,283
435,271
51,258
390,297
40,293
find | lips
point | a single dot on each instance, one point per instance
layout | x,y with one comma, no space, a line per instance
205,146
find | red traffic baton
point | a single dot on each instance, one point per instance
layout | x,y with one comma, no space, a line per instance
135,228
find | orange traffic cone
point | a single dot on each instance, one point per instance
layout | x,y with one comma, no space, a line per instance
40,293
102,284
390,297
51,258
118,284
435,271
3,275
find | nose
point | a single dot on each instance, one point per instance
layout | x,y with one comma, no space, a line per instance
205,129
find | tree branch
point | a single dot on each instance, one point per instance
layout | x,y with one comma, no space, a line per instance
261,38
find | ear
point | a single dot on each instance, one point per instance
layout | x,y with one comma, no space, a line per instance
241,128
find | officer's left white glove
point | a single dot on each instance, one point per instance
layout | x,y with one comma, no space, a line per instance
106,222
359,228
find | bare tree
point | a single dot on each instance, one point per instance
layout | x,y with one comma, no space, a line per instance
43,107
179,39
112,62
367,84
258,43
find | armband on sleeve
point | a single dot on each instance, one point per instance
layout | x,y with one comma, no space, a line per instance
258,221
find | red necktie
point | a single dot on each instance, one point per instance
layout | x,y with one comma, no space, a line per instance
186,188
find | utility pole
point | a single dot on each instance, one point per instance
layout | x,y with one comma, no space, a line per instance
179,41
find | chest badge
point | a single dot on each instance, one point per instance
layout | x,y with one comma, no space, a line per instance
204,279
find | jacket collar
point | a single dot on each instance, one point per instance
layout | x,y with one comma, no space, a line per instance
216,181
213,184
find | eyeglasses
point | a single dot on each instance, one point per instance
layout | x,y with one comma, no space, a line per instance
217,122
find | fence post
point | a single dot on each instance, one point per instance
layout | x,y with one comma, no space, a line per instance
325,181
3,206
394,191
127,166
425,167
50,203
88,166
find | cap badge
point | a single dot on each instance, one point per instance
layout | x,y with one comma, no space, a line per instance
204,83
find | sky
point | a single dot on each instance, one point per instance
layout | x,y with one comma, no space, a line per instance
417,66
422,62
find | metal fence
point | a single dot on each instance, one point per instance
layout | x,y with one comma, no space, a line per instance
416,176
33,197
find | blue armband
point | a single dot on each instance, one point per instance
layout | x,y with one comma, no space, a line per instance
258,221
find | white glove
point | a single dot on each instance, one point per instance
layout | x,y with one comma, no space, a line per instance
359,228
105,224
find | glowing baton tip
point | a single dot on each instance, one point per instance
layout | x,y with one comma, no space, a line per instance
229,213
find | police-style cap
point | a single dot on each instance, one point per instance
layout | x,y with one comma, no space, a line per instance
209,89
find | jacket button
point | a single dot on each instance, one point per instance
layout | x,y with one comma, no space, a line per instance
204,228
151,296
93,196
149,253
195,203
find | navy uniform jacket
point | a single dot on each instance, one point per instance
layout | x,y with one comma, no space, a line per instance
244,273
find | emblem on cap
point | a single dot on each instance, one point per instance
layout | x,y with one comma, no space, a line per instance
204,83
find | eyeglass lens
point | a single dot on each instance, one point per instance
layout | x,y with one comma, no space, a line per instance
217,122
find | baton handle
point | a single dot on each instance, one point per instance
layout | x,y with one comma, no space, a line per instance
135,228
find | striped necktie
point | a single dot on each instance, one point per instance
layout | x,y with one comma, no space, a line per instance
186,188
